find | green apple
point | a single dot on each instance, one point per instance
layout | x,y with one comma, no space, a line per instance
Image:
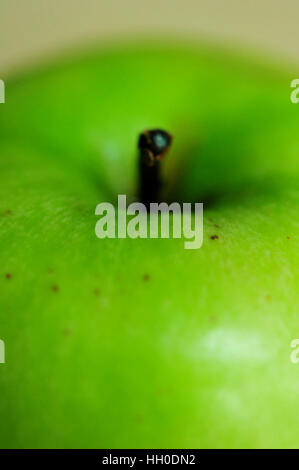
120,343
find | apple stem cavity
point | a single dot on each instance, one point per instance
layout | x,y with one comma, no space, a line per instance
152,145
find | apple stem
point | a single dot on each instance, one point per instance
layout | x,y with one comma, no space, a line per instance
152,146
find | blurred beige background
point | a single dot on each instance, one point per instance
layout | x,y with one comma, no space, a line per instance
30,29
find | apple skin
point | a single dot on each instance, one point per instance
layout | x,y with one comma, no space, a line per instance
139,343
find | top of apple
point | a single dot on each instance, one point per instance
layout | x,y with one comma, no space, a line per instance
139,343
232,119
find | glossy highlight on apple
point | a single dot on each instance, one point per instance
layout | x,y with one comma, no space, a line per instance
159,220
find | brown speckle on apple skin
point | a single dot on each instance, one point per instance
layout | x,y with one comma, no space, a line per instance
146,277
55,288
7,212
214,237
8,276
96,292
